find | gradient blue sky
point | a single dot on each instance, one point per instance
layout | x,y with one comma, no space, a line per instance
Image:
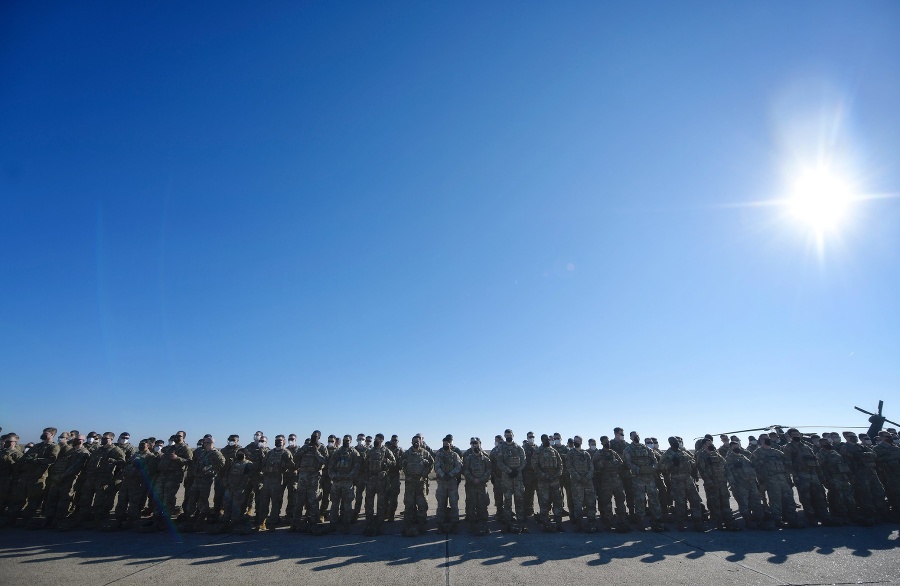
402,217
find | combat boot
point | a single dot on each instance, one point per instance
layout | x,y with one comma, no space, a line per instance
262,525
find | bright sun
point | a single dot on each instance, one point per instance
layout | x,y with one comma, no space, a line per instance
821,199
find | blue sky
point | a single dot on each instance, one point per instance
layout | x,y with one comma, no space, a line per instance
404,217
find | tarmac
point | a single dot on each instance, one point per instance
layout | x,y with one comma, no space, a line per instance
822,555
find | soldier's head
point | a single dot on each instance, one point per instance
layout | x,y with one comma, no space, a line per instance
182,433
63,438
200,443
346,440
765,442
851,437
708,444
292,439
835,438
279,441
360,439
379,439
447,442
498,439
107,438
233,439
51,430
825,444
865,439
673,442
723,438
46,437
619,433
416,441
475,444
592,444
576,442
10,440
557,439
751,440
735,438
635,437
262,441
735,447
545,440
508,436
208,443
604,441
368,441
158,445
124,438
257,435
78,440
648,442
92,437
794,434
240,455
395,439
178,439
773,436
315,436
143,446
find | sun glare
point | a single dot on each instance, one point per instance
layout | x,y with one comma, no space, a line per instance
821,199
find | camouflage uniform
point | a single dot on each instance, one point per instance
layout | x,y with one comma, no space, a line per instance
497,480
609,465
477,471
548,467
447,467
253,495
343,468
836,477
771,471
290,481
393,482
866,487
359,483
28,490
888,466
379,460
59,501
581,475
99,479
135,485
643,466
205,469
309,462
277,463
172,462
416,464
807,478
529,477
712,469
326,482
742,478
511,461
679,465
565,482
618,446
219,483
9,458
236,478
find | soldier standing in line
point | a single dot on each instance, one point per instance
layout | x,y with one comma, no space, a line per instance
206,467
310,460
610,465
477,470
771,471
393,479
678,464
511,460
581,473
135,485
379,460
836,477
447,467
529,477
98,486
712,469
10,455
173,460
618,445
290,479
742,478
59,503
548,468
867,488
643,466
330,448
237,475
888,467
359,483
497,477
228,453
32,471
416,464
277,463
807,478
256,453
343,469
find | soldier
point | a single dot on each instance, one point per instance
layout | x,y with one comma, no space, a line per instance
888,467
256,453
679,465
771,472
9,458
330,448
609,464
581,473
228,453
867,488
644,468
136,484
751,444
124,444
742,478
477,470
291,479
206,467
497,476
277,463
236,475
548,468
618,445
393,479
173,460
416,464
359,483
66,470
100,473
343,468
806,472
447,467
309,461
565,482
529,477
836,477
31,477
511,461
711,466
379,460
